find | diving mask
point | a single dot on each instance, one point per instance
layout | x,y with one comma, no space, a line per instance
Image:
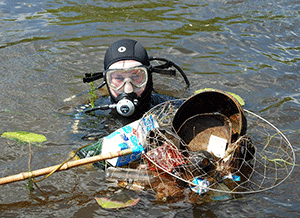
136,76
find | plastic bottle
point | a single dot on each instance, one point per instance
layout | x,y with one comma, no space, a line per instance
134,179
116,173
201,185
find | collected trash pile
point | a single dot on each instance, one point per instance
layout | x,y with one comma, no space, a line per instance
202,147
197,149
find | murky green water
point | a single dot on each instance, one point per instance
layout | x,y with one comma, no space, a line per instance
247,47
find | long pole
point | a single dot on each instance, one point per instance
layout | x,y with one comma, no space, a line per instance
65,166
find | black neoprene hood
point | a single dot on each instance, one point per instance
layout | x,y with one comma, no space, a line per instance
126,49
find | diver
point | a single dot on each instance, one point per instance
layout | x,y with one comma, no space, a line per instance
128,77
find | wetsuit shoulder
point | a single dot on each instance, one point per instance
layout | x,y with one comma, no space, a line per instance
160,98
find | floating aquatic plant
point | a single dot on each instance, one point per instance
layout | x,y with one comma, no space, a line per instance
30,138
23,136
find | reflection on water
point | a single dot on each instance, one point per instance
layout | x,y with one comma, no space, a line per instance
247,47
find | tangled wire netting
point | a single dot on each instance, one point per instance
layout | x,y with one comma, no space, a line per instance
257,161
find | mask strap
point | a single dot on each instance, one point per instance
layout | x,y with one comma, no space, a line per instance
90,77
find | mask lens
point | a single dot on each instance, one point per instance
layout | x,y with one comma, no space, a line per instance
116,79
137,76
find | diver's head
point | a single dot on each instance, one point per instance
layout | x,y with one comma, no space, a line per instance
127,71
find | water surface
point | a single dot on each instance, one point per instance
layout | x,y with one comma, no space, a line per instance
247,47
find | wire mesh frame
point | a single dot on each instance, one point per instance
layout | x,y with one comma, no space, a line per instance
272,162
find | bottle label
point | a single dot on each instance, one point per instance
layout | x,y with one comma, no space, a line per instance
129,136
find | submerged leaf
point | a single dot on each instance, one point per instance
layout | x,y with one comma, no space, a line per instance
112,204
25,136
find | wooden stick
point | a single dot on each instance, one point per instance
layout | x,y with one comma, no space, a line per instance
65,166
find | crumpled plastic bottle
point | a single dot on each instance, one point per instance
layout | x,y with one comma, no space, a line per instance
201,185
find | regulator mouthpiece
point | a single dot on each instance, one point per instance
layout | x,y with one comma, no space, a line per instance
125,107
126,104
